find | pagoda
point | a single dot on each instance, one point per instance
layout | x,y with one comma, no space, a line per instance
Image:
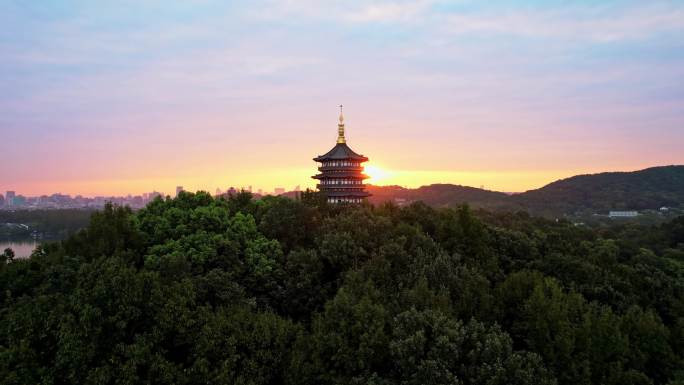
341,178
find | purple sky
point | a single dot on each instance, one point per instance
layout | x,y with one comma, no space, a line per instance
131,96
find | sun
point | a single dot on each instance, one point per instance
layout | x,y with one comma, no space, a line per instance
376,174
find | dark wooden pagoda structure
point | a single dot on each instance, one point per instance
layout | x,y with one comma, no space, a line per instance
341,178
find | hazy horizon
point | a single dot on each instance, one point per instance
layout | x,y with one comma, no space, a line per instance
171,191
111,98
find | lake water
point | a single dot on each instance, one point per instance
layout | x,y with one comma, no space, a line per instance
22,249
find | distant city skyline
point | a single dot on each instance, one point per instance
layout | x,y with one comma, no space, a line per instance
9,194
103,98
10,199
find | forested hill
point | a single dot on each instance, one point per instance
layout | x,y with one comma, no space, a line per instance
198,290
440,195
651,188
638,190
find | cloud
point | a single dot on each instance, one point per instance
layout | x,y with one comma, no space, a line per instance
595,22
592,23
389,12
345,12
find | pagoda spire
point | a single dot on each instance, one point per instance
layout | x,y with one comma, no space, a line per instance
340,128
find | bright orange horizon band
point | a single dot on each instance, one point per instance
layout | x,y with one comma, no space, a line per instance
267,181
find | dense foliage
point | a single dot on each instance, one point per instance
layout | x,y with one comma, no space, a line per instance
49,223
276,291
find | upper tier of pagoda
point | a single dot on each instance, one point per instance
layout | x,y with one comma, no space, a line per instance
340,152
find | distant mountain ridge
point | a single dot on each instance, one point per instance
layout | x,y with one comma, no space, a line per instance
650,188
440,195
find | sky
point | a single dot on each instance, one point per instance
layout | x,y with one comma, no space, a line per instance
110,98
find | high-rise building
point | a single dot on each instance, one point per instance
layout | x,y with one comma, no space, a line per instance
153,195
279,190
9,197
341,178
19,201
179,189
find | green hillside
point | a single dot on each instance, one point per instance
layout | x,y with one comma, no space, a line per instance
651,188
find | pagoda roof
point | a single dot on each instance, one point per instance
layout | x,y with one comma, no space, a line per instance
341,152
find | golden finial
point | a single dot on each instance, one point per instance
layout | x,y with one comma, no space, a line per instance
340,128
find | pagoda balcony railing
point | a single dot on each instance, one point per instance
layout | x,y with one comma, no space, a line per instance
341,186
340,168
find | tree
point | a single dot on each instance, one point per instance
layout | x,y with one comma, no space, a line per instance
7,256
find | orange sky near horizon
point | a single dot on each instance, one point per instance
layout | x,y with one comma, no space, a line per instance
504,181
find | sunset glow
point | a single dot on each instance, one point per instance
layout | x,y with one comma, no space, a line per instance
129,97
378,175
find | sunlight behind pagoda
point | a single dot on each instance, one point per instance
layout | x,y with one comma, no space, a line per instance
378,175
